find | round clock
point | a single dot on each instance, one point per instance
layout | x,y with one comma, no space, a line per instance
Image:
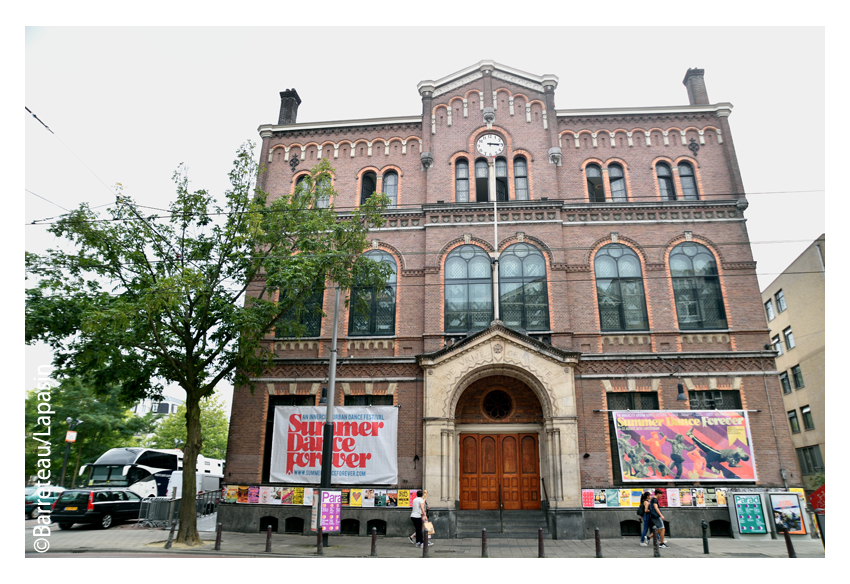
490,144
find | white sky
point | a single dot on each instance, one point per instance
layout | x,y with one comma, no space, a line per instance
129,104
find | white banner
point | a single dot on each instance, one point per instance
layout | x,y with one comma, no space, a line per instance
365,449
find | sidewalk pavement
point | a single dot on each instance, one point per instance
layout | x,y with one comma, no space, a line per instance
129,538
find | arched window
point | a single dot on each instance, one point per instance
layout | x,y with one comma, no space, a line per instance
461,181
689,182
521,178
619,289
595,188
482,181
501,179
368,183
665,182
391,188
324,197
618,183
379,319
304,317
523,297
696,286
468,290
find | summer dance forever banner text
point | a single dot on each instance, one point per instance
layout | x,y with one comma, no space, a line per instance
712,445
364,450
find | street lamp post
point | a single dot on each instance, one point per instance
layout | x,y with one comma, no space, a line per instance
328,429
68,439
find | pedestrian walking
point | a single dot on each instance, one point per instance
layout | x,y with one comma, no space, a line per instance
643,513
657,518
412,536
418,514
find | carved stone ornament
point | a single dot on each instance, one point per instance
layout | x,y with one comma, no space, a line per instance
555,155
489,116
427,159
497,348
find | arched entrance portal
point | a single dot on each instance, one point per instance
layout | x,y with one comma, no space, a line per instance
498,419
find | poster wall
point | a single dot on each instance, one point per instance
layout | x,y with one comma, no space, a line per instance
364,450
750,513
787,513
688,445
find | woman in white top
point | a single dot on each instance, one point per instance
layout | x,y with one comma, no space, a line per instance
417,516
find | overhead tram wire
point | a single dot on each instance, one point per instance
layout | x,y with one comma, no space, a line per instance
415,206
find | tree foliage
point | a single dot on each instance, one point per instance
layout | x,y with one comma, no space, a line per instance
190,296
169,429
107,423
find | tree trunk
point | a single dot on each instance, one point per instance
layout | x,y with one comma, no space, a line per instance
188,532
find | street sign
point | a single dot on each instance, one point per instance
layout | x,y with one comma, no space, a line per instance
818,500
71,436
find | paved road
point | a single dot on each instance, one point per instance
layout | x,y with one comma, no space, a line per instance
129,540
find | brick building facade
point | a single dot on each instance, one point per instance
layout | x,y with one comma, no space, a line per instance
624,270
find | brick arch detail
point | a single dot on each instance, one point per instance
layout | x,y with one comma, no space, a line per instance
526,403
537,243
627,241
535,385
457,242
673,242
401,263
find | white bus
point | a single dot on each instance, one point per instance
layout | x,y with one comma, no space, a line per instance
145,471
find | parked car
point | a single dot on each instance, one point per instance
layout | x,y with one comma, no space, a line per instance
45,495
101,507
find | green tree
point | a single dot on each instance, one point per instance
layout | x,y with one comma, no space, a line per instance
107,423
190,296
213,429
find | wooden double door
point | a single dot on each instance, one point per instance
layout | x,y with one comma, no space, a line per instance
494,465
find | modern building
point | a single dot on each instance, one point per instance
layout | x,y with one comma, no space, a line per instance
794,308
626,302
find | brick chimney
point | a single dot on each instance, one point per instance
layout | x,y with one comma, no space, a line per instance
695,83
289,102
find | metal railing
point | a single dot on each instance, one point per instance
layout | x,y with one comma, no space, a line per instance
154,511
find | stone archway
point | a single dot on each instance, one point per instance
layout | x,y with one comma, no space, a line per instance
545,371
498,421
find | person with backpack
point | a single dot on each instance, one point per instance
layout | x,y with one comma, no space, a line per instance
643,513
657,519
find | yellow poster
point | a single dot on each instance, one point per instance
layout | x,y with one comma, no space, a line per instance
298,496
356,499
625,497
403,498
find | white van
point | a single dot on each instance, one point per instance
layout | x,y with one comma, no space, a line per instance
203,483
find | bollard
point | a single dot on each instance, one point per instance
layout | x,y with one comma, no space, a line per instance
374,552
655,552
320,551
218,537
424,542
540,543
170,535
788,544
598,544
704,537
485,553
269,539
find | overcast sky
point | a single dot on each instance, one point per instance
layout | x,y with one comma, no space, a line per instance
129,104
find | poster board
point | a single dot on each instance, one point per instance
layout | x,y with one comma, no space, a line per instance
749,510
787,512
685,446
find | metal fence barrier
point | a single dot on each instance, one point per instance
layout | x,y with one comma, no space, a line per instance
154,510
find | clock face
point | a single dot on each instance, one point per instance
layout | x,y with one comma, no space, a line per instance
490,144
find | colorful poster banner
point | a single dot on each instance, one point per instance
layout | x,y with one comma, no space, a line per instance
286,496
625,498
599,498
380,498
330,512
685,498
721,497
636,495
298,496
368,497
364,449
230,497
346,498
587,498
392,498
253,494
265,495
404,498
787,513
685,445
711,497
308,495
356,499
698,497
673,498
750,513
612,497
662,496
241,494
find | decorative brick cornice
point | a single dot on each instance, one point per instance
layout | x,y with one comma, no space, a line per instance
571,267
739,265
